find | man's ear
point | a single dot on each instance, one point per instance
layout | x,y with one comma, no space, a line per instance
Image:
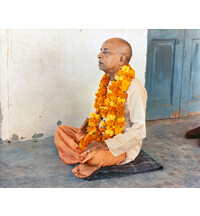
122,59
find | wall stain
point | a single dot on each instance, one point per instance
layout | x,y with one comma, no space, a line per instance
7,46
178,30
175,114
11,46
191,114
37,135
59,123
42,64
35,140
15,137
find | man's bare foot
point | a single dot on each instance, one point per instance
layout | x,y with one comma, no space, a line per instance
84,170
75,170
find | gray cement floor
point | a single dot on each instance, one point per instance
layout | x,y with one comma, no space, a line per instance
35,163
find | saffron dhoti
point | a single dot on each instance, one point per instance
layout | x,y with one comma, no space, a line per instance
70,152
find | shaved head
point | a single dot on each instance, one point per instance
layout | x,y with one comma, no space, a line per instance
114,53
122,46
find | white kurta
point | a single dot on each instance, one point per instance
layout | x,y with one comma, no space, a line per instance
135,127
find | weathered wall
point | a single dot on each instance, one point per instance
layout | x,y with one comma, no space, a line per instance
52,75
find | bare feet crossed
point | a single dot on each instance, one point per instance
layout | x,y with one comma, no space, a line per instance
84,170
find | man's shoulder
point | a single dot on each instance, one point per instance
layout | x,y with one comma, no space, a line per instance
136,85
137,90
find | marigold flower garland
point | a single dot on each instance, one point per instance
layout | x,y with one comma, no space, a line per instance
108,120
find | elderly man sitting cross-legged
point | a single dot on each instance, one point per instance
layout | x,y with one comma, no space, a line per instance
114,132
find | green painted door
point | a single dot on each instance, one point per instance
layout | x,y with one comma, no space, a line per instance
190,95
173,73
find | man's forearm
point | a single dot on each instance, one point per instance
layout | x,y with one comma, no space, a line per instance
96,145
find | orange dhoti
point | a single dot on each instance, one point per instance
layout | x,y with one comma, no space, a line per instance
70,152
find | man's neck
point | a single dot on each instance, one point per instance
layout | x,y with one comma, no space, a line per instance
112,76
113,73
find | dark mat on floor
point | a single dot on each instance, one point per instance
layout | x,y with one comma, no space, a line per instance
143,163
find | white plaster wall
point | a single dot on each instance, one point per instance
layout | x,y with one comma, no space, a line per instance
51,75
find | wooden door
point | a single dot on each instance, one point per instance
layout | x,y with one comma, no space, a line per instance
163,73
190,95
173,73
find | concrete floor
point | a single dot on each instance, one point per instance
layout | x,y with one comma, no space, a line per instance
35,163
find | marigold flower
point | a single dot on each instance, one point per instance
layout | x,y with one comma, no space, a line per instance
107,101
112,104
125,68
120,119
104,107
111,117
118,77
118,131
92,131
125,85
121,100
103,123
109,132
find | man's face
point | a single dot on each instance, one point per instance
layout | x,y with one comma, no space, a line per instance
109,58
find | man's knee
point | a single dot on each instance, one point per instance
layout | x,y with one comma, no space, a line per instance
60,128
58,132
105,158
98,158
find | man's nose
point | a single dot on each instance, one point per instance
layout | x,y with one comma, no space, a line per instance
99,55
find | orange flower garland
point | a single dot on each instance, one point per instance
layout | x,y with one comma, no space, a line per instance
108,120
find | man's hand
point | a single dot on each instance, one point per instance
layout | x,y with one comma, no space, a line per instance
84,125
96,146
79,135
82,131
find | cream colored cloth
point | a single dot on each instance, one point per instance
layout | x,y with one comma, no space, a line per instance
135,127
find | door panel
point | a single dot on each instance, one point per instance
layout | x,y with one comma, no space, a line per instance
163,64
190,99
163,76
